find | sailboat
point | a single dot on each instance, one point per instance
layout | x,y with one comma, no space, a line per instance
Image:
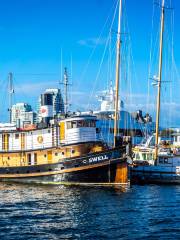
157,163
67,151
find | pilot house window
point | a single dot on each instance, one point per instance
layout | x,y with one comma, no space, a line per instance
81,123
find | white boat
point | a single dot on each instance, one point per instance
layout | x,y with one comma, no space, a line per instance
136,125
165,170
154,162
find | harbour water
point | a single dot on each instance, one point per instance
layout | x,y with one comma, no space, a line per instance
64,212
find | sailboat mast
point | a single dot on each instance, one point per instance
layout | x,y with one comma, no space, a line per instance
117,73
159,80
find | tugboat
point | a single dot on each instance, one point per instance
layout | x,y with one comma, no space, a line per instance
67,151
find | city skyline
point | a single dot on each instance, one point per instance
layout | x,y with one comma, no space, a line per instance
34,56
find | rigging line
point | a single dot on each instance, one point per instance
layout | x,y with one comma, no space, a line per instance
173,77
97,76
94,48
102,59
61,70
113,60
130,47
150,60
4,96
154,54
37,74
172,46
109,65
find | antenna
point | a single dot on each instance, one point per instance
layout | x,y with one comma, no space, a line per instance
11,92
66,84
66,89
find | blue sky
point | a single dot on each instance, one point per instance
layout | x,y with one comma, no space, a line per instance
33,32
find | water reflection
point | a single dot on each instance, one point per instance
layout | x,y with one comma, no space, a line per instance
54,212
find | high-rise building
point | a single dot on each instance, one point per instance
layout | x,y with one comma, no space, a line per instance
21,114
50,104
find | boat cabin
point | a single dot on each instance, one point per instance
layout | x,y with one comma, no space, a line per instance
73,130
78,129
143,156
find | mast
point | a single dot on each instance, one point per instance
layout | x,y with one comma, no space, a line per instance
159,80
117,72
66,90
10,91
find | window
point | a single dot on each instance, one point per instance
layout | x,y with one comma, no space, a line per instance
68,125
35,158
93,123
16,136
80,124
72,151
85,123
62,153
149,156
144,156
56,154
137,156
29,158
74,124
45,155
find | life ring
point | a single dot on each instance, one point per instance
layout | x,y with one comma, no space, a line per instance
40,139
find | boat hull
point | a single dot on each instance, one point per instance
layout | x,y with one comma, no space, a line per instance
154,174
109,167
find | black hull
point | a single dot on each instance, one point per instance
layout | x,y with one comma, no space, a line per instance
97,168
98,175
142,177
144,181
